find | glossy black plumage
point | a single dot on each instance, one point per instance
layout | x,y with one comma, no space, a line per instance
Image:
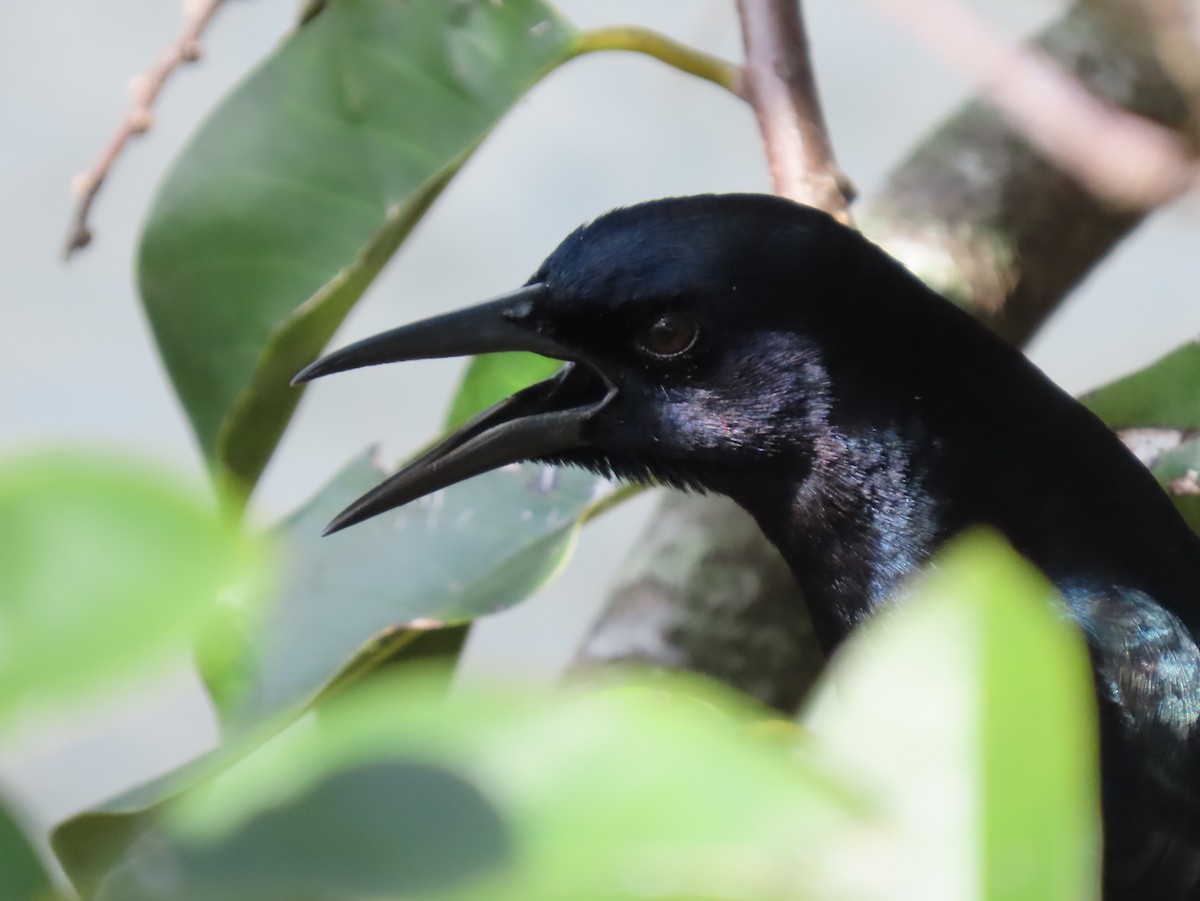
862,420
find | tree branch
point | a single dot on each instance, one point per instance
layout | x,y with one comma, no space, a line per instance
777,80
986,218
1175,27
1120,156
704,591
146,88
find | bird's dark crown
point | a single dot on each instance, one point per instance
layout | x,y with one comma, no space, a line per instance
695,246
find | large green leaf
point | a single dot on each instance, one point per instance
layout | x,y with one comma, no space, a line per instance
299,188
343,610
952,755
104,566
1166,393
90,844
472,549
618,793
970,716
22,876
379,830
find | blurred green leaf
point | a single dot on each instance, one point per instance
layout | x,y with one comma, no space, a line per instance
92,843
104,567
1165,393
491,378
970,713
295,193
472,549
377,830
952,754
612,793
22,876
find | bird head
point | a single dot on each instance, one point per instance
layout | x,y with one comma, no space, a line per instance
685,325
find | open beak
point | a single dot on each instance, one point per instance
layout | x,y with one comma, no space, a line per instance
542,420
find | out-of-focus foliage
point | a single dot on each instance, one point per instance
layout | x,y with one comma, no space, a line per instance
953,740
22,877
342,607
104,568
380,830
972,710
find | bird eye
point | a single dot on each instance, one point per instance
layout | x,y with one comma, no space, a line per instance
669,335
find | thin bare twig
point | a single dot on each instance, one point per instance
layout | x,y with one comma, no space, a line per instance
146,88
1121,157
777,80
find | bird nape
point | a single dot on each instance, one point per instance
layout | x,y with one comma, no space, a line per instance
753,347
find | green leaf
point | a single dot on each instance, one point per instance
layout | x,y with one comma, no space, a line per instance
371,831
472,549
92,843
487,380
628,791
342,612
22,876
1165,393
952,754
971,714
300,187
491,378
104,567
713,799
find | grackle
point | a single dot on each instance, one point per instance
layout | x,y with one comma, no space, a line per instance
750,346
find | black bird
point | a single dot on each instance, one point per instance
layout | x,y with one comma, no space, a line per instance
754,347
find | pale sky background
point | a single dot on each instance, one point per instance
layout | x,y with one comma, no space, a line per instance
77,365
